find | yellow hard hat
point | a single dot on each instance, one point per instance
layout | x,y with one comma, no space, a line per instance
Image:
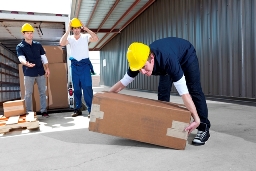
76,23
27,27
137,55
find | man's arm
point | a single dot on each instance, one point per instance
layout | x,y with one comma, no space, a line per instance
63,40
94,37
47,71
46,67
120,85
188,102
22,57
117,87
23,61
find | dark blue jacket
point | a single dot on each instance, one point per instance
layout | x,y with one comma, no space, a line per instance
172,56
32,54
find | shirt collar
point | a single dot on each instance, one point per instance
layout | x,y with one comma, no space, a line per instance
25,43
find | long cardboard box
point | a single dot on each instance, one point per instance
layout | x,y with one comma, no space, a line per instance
14,108
140,119
58,86
55,54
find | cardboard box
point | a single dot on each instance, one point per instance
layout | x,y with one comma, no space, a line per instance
55,54
14,108
95,80
57,86
140,119
35,96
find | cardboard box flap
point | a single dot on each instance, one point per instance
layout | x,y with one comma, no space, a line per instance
141,100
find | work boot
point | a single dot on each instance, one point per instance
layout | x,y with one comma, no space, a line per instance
201,137
76,113
45,115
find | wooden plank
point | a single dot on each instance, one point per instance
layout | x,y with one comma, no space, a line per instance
22,122
13,120
30,117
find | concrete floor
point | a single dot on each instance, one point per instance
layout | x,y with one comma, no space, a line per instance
64,143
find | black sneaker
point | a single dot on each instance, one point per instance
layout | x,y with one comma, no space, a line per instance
45,115
201,138
76,113
89,115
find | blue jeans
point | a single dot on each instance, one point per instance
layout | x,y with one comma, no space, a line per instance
29,86
81,78
192,75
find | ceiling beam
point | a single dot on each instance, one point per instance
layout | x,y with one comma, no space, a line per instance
150,2
120,19
93,11
105,19
108,14
105,30
126,13
91,49
138,13
107,41
73,9
78,7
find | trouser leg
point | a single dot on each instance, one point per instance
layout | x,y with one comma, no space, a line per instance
164,88
41,82
77,88
88,95
192,75
29,85
86,82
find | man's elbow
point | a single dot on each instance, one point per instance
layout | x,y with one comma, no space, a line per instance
62,44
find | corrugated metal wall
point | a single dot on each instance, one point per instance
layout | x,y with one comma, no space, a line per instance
222,31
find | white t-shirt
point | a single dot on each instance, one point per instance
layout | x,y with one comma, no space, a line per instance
79,48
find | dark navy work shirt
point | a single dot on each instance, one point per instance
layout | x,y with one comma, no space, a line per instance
32,54
172,56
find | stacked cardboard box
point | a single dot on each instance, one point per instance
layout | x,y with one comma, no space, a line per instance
56,84
140,119
14,108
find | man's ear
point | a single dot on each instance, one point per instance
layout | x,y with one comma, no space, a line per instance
152,58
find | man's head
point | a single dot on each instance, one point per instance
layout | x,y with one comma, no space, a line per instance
140,58
27,31
76,26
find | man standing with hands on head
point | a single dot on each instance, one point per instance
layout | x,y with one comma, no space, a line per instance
35,67
81,66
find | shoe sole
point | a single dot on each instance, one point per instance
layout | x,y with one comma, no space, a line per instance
197,144
76,115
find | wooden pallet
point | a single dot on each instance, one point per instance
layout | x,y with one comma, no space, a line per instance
28,121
